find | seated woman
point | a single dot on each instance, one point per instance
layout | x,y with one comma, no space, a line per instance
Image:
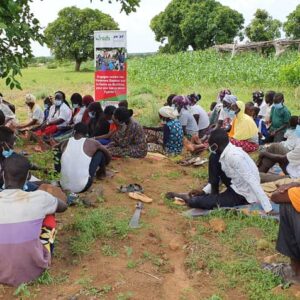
97,125
243,132
263,132
10,118
59,116
108,113
48,102
36,114
129,139
86,101
199,114
172,133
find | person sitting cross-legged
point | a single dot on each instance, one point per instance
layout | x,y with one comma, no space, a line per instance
23,257
80,160
288,241
236,170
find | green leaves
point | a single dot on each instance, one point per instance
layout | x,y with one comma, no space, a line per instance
69,36
292,25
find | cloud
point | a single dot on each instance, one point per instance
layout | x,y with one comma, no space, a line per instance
140,36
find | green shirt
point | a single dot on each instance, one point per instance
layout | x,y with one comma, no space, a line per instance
279,117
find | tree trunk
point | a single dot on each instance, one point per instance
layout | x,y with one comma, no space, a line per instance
77,65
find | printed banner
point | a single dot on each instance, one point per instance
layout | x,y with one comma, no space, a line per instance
110,65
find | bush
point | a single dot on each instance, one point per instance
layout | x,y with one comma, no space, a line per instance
291,73
52,66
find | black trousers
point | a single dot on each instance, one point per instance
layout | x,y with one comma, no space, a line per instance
98,162
229,198
288,241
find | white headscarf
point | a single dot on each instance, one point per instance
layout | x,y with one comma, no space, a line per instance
231,99
29,98
168,112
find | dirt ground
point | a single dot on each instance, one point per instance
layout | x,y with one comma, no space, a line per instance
160,272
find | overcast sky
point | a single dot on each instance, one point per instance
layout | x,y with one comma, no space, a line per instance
140,36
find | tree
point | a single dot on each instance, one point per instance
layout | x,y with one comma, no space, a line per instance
69,36
18,27
263,27
292,25
197,23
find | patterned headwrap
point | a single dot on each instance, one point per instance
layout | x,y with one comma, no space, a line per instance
181,101
258,95
223,93
231,99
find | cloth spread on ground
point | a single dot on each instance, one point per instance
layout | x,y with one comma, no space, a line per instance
248,210
22,255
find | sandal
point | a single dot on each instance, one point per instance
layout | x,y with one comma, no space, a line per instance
141,197
131,188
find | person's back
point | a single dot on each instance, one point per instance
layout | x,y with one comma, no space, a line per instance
188,120
22,255
203,116
75,166
174,143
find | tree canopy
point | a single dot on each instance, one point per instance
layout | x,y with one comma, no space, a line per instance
292,25
197,23
18,27
263,27
70,35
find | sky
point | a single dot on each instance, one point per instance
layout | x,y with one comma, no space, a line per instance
140,36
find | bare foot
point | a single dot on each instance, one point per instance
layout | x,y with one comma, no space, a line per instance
171,195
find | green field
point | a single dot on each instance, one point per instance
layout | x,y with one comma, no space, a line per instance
151,79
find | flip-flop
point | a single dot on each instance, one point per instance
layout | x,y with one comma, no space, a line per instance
200,162
140,196
131,188
179,201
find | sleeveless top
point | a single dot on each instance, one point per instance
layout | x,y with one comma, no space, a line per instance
75,166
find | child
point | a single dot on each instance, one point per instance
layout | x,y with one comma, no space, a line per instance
263,132
280,117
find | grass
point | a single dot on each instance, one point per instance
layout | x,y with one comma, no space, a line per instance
99,223
237,266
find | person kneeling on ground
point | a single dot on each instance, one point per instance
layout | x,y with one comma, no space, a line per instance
81,159
288,241
23,257
236,170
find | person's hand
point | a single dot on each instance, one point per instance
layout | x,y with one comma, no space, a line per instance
285,187
262,155
272,213
195,193
273,133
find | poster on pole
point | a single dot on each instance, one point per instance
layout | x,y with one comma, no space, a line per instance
110,65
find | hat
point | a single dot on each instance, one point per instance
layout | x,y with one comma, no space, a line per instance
231,99
29,98
168,112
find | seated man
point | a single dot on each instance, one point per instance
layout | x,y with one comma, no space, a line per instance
81,159
23,257
288,242
289,163
236,170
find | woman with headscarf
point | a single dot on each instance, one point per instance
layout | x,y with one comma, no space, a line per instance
97,125
214,117
129,139
172,133
243,132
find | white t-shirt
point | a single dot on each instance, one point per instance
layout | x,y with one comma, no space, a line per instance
203,116
37,114
292,140
188,120
78,117
263,109
293,168
64,112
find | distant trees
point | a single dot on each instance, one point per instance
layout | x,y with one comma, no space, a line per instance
263,27
70,35
292,25
197,23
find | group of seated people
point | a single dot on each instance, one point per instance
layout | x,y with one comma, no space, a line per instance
85,138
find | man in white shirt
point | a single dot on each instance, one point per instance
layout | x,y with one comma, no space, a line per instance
238,173
258,99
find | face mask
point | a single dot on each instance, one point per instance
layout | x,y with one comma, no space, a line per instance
213,149
7,153
227,110
92,115
278,105
57,102
25,187
75,106
297,131
231,114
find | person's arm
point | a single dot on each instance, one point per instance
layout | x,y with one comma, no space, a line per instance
197,117
55,122
104,136
184,130
91,147
274,157
31,123
166,134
